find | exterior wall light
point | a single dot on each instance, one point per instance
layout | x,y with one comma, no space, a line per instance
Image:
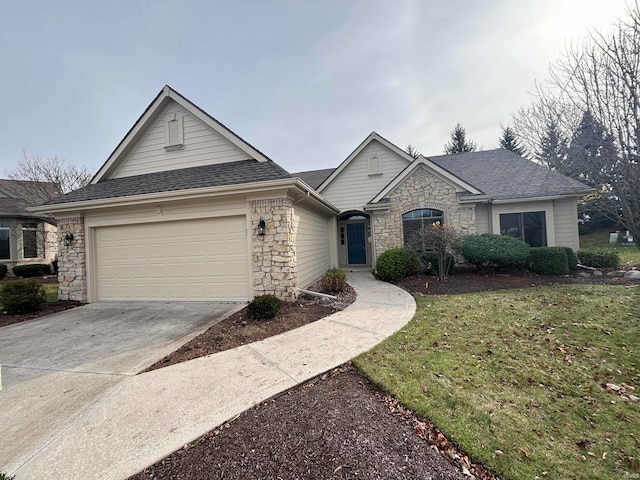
68,238
261,227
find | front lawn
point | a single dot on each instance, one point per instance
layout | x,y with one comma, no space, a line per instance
51,290
599,240
518,379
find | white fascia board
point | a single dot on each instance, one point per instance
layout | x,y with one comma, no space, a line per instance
166,196
151,112
538,199
215,125
370,138
131,135
431,166
132,200
312,194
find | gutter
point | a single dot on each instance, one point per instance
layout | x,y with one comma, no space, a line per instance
129,200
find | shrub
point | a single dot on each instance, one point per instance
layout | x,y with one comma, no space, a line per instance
397,263
22,296
334,280
599,258
263,307
495,250
549,261
3,272
572,258
4,476
431,264
31,270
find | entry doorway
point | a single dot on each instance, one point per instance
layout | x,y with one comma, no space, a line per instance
354,239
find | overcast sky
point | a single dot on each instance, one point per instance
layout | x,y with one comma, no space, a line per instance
303,81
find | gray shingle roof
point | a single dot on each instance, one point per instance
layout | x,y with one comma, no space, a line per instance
23,194
233,173
502,174
314,178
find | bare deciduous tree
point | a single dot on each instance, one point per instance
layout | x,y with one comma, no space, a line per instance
600,76
50,170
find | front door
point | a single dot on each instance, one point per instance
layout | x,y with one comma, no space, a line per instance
356,244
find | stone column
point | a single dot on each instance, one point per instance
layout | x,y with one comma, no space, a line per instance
72,262
273,255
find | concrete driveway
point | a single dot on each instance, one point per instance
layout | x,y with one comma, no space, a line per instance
56,368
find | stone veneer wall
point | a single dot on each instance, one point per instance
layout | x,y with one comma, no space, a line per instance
72,263
273,255
50,242
421,189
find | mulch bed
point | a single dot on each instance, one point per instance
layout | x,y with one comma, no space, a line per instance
239,329
470,280
336,426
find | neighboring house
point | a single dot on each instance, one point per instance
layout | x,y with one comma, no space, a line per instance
184,209
25,237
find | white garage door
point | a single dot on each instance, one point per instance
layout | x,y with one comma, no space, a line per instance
203,259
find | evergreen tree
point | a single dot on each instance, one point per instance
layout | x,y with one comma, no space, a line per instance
592,154
509,140
553,148
459,142
413,151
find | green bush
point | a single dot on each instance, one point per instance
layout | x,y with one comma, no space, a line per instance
549,261
572,258
3,272
397,263
430,262
334,280
496,251
31,270
263,307
4,476
22,296
599,258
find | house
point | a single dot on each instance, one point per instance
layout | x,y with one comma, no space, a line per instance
384,195
185,209
25,237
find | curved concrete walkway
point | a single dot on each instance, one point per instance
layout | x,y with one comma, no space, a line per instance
153,414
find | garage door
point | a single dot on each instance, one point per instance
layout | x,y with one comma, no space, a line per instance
203,259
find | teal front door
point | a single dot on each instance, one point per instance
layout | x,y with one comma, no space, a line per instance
356,244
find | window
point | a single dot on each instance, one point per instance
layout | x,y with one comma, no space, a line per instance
5,252
417,219
29,240
530,227
175,134
375,164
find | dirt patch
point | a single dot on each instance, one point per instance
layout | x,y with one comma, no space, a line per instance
239,329
45,309
471,280
334,427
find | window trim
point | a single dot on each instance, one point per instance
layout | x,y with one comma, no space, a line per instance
435,218
29,227
6,228
527,207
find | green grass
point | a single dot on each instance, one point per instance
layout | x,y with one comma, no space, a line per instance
599,240
51,290
521,371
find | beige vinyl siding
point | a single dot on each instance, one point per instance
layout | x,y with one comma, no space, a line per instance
566,223
354,187
483,216
313,245
202,146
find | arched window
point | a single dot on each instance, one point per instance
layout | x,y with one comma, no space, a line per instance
417,219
